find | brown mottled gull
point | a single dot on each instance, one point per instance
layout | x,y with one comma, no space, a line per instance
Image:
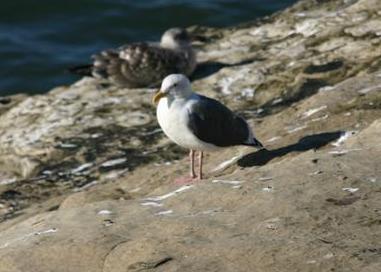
144,64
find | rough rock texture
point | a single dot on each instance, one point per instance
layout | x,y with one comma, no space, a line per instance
86,176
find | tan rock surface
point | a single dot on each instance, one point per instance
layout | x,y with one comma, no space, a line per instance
86,177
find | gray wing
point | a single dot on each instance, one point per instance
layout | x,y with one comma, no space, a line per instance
212,122
139,64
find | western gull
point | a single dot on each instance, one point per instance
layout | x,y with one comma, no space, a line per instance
143,64
197,122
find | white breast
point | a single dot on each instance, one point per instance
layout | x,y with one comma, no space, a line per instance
173,120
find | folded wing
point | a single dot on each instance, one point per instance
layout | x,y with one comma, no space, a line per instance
212,122
139,64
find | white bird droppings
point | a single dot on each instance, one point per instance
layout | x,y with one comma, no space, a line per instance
164,212
113,162
370,89
248,93
292,130
104,212
265,178
231,182
225,164
162,197
64,145
350,189
151,203
26,236
343,151
52,230
313,111
273,139
267,189
81,168
320,118
7,181
277,101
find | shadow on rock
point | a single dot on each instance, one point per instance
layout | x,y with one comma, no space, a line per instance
208,68
306,143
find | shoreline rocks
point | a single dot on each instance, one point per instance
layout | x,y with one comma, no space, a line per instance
80,165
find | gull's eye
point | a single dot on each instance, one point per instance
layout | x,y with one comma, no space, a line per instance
175,85
182,36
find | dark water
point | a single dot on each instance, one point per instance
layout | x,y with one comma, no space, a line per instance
39,39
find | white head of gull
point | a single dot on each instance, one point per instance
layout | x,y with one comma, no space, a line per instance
197,122
175,38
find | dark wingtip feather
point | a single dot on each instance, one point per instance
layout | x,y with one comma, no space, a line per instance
83,70
256,143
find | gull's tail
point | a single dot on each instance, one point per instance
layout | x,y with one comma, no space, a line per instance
254,142
258,143
82,70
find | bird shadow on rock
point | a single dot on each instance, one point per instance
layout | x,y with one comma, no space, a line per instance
306,143
205,69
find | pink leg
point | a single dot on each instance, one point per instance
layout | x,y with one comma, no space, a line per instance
188,179
191,158
201,155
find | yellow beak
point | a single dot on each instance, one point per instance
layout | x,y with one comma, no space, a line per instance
157,97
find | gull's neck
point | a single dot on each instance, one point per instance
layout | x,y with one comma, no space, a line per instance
181,97
171,44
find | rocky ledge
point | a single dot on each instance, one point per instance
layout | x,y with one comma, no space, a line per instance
86,175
